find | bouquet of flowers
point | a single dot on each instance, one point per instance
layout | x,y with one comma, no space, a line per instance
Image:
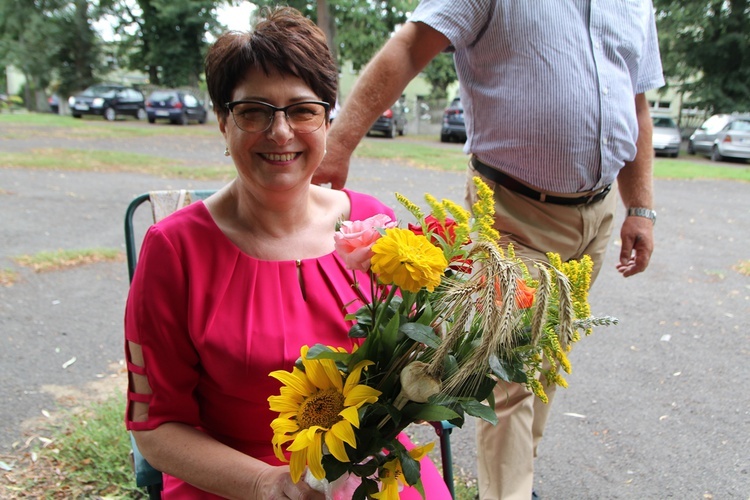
451,314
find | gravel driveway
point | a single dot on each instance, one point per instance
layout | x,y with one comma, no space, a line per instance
658,406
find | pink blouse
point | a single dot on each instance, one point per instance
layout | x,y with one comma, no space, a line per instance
213,322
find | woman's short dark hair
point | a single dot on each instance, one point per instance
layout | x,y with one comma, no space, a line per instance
283,40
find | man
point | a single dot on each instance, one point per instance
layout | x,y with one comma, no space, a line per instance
553,96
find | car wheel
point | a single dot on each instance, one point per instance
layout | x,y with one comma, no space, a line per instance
151,120
445,138
109,114
391,132
202,120
76,115
715,155
141,115
183,119
674,155
690,148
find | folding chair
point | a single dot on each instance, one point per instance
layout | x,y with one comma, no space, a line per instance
163,203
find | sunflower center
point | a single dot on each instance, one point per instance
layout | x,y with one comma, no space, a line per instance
321,409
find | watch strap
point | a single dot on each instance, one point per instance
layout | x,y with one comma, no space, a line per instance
642,212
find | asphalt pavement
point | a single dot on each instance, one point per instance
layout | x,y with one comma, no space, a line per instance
658,406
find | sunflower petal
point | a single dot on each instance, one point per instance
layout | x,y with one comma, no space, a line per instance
344,432
282,404
297,380
297,465
303,439
361,394
336,446
315,456
350,415
353,379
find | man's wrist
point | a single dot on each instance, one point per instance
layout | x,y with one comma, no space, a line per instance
642,212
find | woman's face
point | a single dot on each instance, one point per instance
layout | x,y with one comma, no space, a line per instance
277,159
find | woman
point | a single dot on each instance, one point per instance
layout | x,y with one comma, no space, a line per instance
228,290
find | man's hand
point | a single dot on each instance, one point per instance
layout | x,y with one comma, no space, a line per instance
334,168
637,236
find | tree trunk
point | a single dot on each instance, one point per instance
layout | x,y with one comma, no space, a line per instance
325,22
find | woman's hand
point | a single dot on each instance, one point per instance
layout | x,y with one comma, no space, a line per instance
276,483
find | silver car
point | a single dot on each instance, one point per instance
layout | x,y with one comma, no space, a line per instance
666,137
722,136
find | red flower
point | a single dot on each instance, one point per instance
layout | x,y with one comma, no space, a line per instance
447,232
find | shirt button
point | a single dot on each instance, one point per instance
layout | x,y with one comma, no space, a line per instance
604,141
605,91
597,45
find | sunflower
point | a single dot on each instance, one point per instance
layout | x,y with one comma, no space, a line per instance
408,260
391,475
316,406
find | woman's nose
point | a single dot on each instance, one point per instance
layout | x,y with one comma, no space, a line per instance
280,130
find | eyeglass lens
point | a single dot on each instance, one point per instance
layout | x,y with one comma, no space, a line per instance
303,117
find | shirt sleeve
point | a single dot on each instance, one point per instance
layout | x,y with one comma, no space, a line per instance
650,74
461,21
156,318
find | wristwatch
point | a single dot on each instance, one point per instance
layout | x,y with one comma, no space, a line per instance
642,212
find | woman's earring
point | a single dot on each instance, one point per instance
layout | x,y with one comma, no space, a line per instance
226,150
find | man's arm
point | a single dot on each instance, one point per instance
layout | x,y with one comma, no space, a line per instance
635,182
382,82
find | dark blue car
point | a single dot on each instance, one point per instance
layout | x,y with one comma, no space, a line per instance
177,106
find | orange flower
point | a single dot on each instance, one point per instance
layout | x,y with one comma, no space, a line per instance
524,294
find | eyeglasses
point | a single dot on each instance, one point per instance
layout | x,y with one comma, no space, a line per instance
256,116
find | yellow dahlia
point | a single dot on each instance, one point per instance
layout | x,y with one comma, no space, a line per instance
317,406
391,475
408,260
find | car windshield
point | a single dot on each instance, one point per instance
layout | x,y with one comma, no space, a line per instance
663,122
162,96
100,91
714,124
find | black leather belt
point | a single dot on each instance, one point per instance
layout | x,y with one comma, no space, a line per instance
515,186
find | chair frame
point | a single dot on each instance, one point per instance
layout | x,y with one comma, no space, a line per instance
150,478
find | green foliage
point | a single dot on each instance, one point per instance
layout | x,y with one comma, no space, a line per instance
360,27
167,38
86,456
48,42
440,73
98,439
705,47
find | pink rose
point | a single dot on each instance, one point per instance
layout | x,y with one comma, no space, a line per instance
354,240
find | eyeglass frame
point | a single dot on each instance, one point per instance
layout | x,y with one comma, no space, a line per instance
230,107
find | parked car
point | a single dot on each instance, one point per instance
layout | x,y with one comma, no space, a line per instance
392,122
666,136
177,106
109,101
722,136
454,127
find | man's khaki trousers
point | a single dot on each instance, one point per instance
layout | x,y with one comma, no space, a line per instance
506,451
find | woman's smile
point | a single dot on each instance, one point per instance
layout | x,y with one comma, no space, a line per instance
279,157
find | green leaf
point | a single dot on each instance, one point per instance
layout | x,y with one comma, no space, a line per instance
320,351
506,370
424,334
389,337
409,466
359,331
428,412
477,409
